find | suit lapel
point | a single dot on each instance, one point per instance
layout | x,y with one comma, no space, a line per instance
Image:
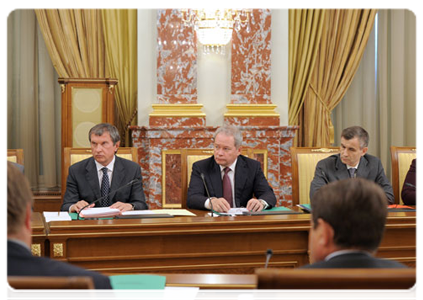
363,169
341,171
92,177
241,174
118,176
215,179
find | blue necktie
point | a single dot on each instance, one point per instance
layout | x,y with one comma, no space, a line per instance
352,172
105,188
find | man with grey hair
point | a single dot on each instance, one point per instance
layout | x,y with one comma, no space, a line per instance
101,175
352,161
229,179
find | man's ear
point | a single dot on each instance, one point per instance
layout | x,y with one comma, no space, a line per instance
326,233
28,217
364,150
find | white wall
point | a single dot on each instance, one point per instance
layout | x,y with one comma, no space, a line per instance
214,74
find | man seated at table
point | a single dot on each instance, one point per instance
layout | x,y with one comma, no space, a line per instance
20,261
347,225
231,178
352,161
102,174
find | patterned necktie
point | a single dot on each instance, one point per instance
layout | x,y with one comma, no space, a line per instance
352,172
227,188
105,188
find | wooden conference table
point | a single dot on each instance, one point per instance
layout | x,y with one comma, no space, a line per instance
201,244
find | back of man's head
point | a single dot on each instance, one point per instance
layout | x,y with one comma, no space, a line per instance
19,195
356,210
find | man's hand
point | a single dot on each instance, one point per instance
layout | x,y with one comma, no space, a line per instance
122,206
220,204
254,205
80,205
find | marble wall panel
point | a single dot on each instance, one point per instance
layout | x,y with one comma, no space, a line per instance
176,59
151,141
251,49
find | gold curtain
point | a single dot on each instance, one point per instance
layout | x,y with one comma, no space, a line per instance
74,40
342,45
305,30
120,30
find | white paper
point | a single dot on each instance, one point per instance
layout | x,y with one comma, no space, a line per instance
172,212
99,212
56,216
236,211
183,292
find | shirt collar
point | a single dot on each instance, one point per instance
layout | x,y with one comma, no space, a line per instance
232,167
342,252
109,166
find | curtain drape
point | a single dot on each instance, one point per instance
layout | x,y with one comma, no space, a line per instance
75,41
120,30
382,97
305,30
33,111
342,45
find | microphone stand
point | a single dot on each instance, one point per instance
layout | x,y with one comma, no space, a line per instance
208,195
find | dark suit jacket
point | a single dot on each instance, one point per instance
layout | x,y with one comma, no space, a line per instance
333,169
20,262
408,192
83,183
249,181
355,260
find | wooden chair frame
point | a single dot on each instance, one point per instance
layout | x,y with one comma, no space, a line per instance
44,283
18,153
295,153
336,278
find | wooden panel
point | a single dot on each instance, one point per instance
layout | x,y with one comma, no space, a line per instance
336,279
224,245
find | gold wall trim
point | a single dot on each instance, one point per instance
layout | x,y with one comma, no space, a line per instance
36,249
177,110
58,250
251,110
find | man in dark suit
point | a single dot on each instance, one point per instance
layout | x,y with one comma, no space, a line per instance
347,225
20,261
353,161
104,173
232,179
408,193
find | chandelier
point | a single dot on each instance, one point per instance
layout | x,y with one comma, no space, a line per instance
214,27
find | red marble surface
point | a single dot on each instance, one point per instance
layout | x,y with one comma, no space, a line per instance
253,121
151,141
178,121
176,59
251,72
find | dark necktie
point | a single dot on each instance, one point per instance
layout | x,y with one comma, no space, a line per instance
105,187
227,188
352,172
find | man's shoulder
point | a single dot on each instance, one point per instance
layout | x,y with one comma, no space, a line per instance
331,159
126,162
83,163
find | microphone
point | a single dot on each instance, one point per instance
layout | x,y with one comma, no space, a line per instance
101,198
269,254
207,191
412,185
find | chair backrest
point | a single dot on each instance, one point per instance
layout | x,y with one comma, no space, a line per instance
401,158
303,164
74,155
336,278
190,156
49,288
16,156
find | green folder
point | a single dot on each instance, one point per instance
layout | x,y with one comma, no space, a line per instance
138,282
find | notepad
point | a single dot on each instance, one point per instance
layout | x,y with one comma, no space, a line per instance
138,282
56,216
